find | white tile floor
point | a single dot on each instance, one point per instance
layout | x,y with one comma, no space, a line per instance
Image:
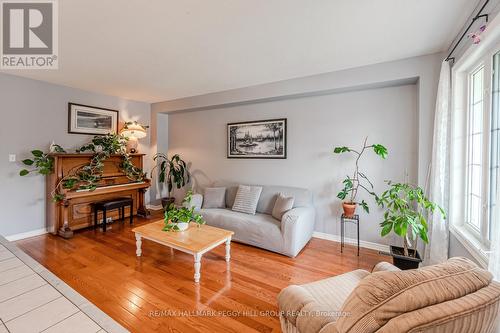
32,299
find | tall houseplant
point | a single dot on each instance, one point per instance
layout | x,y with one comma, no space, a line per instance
359,180
406,209
172,171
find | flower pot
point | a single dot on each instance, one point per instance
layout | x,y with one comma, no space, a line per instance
403,262
349,208
182,226
166,202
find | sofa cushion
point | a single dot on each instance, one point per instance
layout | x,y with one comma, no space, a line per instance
333,291
384,266
473,313
231,189
246,199
311,306
386,295
214,197
281,206
302,197
260,230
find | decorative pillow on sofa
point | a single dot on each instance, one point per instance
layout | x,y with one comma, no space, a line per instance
246,199
214,197
282,205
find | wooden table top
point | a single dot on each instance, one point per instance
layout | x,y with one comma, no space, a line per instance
194,239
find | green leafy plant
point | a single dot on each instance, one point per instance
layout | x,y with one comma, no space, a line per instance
172,171
359,180
131,171
55,148
406,210
41,162
108,144
184,214
85,177
103,147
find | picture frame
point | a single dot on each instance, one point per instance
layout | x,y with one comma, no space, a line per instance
92,120
260,139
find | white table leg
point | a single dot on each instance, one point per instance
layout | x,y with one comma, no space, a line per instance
138,243
228,249
197,267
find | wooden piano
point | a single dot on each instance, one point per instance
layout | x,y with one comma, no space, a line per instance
76,208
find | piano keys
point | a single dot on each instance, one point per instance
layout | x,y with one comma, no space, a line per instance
76,208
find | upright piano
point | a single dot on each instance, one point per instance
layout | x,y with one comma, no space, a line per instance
77,207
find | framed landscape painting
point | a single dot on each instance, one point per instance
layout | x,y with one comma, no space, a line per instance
257,139
86,119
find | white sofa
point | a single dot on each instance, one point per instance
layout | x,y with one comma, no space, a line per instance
287,236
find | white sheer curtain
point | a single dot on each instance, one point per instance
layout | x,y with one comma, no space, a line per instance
437,249
494,257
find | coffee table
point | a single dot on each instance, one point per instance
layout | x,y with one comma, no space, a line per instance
196,240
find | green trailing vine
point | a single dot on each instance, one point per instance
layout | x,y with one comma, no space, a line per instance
85,177
41,163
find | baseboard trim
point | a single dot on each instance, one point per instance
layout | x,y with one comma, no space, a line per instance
350,241
28,234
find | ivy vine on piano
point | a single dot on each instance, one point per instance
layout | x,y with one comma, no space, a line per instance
85,177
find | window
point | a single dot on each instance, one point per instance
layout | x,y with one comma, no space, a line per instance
475,146
494,140
475,149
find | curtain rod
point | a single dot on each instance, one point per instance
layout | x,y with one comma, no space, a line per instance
474,19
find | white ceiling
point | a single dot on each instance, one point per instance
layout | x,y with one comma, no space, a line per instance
154,50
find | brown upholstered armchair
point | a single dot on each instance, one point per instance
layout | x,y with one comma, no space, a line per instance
455,296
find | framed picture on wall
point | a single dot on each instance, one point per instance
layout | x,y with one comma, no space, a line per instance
257,139
86,119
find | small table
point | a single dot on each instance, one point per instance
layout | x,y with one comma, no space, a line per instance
196,240
351,219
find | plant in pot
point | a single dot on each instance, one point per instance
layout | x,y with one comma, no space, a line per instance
178,218
406,208
172,171
359,180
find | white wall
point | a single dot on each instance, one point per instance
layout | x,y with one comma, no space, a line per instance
315,125
424,70
457,249
33,114
159,143
263,100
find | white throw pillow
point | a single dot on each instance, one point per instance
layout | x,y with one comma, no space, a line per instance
282,205
246,199
214,197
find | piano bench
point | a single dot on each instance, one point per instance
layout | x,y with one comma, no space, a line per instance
118,203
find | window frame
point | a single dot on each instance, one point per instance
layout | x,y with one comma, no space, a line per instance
475,241
469,111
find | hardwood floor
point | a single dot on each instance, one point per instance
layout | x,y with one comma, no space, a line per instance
157,291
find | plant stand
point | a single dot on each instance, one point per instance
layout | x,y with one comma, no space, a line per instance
348,219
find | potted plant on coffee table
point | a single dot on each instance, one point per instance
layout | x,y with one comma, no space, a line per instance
178,218
359,180
172,171
406,209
